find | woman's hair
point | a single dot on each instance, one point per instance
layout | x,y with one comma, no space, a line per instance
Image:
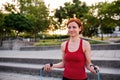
78,21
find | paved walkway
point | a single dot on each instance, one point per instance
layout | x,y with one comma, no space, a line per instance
56,54
17,76
48,54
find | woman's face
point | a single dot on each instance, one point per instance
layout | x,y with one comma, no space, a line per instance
73,29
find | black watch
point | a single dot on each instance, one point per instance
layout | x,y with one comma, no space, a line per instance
51,64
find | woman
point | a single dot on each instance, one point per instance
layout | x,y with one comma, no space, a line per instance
75,54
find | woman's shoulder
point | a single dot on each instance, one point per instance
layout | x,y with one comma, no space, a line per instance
63,44
85,42
86,45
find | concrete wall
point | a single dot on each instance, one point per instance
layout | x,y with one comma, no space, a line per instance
13,44
25,45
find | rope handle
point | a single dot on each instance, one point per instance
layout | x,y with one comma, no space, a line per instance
95,68
97,71
41,71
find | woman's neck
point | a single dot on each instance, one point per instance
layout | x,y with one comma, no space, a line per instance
74,39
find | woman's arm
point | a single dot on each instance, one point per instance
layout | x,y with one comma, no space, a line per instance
47,67
87,51
61,64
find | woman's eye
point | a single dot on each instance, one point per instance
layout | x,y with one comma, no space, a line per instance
74,27
69,27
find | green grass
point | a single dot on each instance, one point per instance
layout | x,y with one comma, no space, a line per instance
53,42
97,42
48,42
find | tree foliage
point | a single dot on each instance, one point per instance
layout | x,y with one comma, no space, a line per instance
2,28
91,25
109,15
75,9
37,12
17,22
34,13
1,22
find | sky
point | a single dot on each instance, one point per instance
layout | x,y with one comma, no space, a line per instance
56,3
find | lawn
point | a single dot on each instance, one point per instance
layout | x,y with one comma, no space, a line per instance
53,42
48,42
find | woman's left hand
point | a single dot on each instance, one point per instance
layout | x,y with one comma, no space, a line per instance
94,69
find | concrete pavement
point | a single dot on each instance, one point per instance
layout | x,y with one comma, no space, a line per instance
18,76
105,55
56,54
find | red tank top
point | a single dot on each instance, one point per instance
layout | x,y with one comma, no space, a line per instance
75,63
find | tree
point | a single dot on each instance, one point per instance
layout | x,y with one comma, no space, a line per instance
108,16
2,28
91,25
17,22
113,12
34,10
39,14
75,9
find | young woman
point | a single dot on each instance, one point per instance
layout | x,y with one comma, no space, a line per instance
75,54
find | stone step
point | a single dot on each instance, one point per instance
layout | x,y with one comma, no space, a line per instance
110,63
34,69
19,76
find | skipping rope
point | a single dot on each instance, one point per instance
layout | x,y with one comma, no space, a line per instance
98,74
41,71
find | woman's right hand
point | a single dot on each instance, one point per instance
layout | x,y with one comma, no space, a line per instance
47,67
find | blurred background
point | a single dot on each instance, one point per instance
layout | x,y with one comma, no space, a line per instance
39,22
31,32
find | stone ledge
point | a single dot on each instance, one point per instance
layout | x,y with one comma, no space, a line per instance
93,47
2,48
32,48
105,46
